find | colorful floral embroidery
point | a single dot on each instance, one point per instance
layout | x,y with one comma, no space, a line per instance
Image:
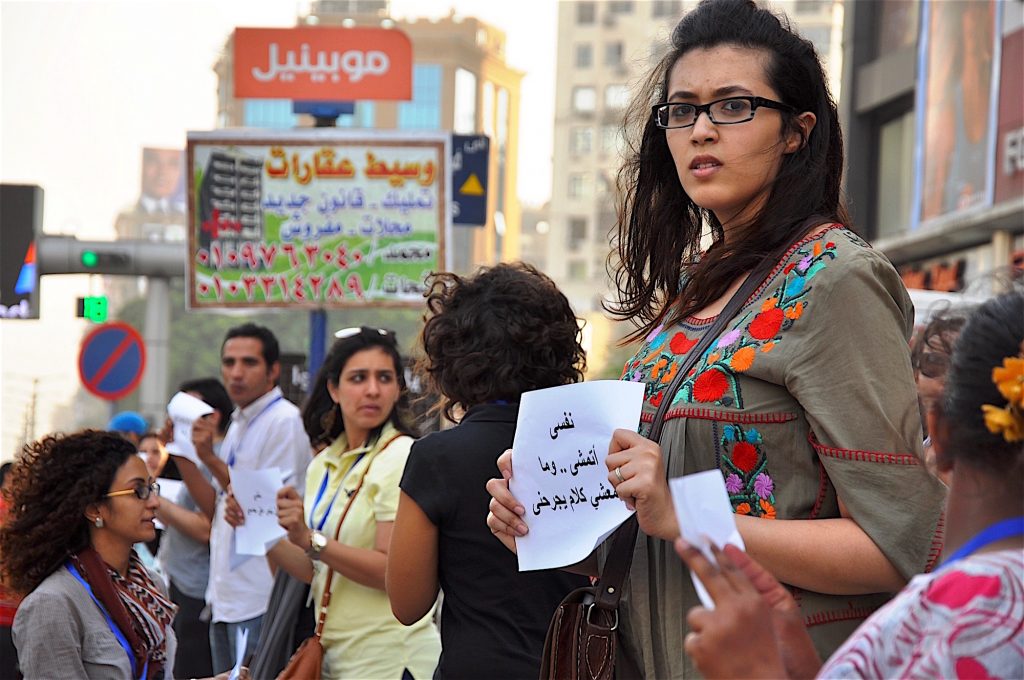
745,467
714,380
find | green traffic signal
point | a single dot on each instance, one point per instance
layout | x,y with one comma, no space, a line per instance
90,258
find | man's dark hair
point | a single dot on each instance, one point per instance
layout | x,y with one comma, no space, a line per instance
4,469
271,350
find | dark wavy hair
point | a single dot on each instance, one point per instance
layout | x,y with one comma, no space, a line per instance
658,231
271,349
54,480
501,332
320,414
992,333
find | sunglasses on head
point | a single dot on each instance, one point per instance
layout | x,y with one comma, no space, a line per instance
141,490
356,330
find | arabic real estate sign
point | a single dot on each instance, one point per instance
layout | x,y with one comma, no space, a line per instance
322,63
317,218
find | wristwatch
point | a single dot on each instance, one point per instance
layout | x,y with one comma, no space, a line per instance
317,542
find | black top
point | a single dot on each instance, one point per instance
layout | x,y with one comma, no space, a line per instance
494,618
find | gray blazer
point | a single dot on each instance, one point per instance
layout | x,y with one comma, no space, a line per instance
61,633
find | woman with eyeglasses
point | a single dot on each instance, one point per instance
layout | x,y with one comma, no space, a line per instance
79,502
356,408
805,402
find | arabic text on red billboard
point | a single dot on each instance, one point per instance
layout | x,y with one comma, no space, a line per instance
322,64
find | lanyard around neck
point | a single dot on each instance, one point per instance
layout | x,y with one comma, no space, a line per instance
987,536
236,445
320,494
110,622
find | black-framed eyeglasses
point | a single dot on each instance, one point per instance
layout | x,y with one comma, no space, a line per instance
141,490
356,330
729,111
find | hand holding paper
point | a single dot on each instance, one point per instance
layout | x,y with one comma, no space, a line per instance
560,477
183,410
705,516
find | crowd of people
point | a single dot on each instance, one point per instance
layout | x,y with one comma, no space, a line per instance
870,550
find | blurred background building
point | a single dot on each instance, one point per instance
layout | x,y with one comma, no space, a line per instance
934,117
461,83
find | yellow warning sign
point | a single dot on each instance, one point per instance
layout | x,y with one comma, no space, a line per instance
472,186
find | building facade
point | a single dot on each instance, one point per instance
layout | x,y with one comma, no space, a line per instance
934,118
461,83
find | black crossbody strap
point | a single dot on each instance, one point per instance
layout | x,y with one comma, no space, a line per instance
620,557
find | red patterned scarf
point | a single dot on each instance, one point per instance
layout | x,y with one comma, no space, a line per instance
135,604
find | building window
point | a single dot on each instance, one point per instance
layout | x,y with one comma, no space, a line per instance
584,55
577,232
269,113
362,116
584,99
666,8
896,24
582,141
613,54
580,186
616,97
586,13
611,138
488,108
895,176
465,102
501,137
620,7
424,111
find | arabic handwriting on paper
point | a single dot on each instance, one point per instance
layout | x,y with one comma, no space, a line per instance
566,424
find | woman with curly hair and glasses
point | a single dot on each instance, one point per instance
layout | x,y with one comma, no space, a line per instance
804,401
78,504
487,339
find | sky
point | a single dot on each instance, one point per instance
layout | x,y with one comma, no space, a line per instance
87,84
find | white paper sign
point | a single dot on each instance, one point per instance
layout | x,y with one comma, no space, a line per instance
183,410
256,492
169,490
705,516
558,469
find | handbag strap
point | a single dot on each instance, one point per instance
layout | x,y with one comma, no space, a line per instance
325,599
620,556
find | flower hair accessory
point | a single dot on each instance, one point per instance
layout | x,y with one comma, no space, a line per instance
1009,420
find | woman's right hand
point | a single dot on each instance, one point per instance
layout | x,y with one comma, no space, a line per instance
291,516
505,518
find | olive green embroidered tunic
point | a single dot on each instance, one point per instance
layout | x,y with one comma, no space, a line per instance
808,394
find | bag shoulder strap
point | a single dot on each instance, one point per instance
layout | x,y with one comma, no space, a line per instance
620,557
325,599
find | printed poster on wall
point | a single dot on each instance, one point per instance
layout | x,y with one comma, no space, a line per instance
317,218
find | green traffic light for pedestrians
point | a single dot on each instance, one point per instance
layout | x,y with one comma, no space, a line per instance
90,258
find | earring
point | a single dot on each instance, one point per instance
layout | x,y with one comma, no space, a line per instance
98,522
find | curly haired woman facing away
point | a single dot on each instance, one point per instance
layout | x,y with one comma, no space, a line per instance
487,339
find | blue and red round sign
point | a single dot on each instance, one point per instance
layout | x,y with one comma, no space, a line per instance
111,360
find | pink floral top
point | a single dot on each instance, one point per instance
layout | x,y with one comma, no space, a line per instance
965,621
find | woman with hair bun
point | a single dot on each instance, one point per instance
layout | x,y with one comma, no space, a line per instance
805,400
966,619
487,339
79,503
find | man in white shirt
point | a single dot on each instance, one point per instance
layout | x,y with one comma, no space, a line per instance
266,431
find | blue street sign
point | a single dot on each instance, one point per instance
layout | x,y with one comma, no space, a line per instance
111,360
470,161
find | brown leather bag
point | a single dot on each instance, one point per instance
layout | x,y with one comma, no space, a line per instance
308,659
582,638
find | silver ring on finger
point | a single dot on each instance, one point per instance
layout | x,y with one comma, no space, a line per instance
618,474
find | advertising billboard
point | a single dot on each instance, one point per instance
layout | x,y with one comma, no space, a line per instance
317,218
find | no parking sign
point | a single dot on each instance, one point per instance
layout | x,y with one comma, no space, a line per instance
111,360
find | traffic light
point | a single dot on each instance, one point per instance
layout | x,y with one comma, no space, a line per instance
93,308
103,260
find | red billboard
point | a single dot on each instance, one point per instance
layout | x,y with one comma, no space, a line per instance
1010,130
322,64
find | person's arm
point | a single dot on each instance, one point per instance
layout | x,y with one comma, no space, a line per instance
195,525
411,578
198,486
203,432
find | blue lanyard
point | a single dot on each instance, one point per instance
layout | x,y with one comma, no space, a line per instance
231,456
991,534
320,494
110,622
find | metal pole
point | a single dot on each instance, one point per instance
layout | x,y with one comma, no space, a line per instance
317,343
153,389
